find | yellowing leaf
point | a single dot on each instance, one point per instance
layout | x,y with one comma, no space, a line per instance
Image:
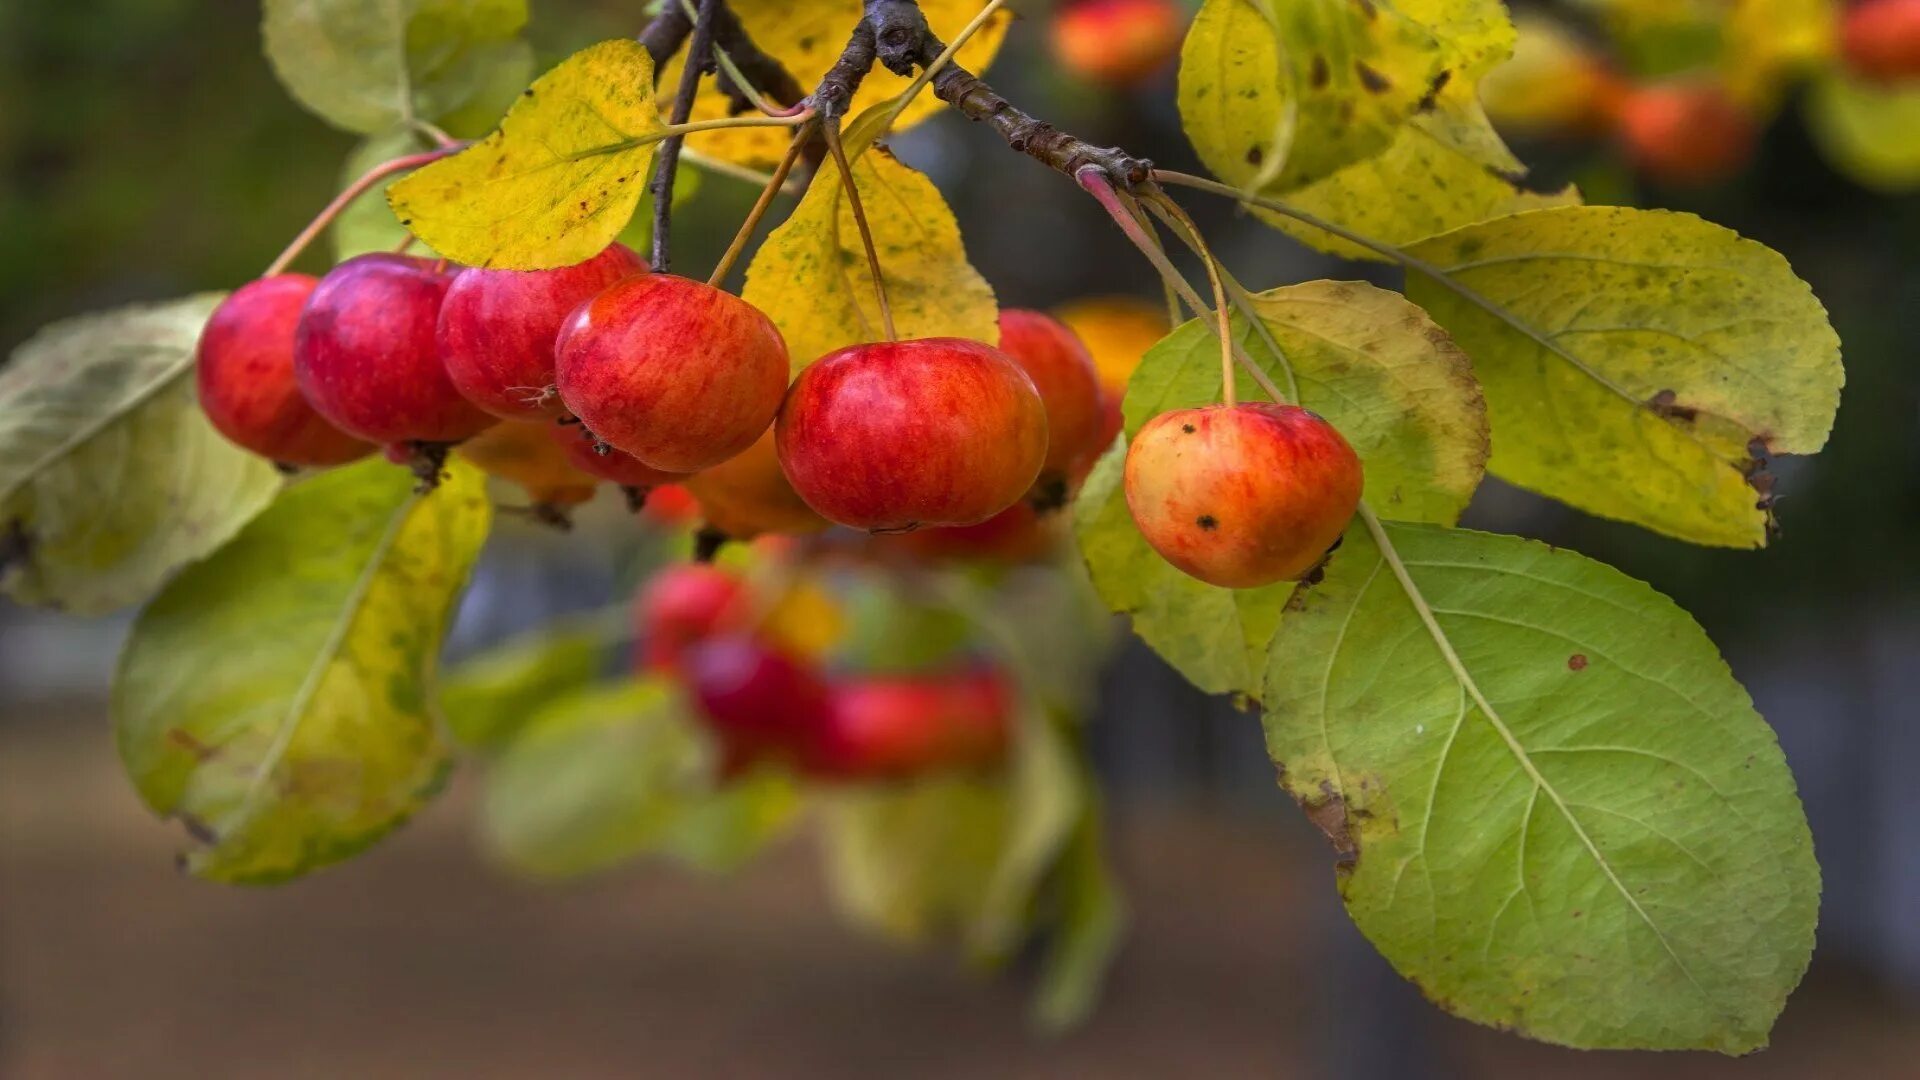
1370,362
1560,813
111,477
1465,175
367,65
1872,133
276,698
1278,93
1771,42
808,38
811,275
1637,361
559,179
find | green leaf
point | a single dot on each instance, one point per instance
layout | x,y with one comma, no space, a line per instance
1638,361
1559,811
1279,93
277,698
367,65
559,179
955,850
488,698
615,771
1092,920
368,224
807,39
1872,133
1366,359
811,275
111,477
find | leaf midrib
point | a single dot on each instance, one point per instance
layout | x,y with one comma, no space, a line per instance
86,431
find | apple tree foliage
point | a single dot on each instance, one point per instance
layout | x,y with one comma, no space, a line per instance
1554,808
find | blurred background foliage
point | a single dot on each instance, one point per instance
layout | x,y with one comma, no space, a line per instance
146,151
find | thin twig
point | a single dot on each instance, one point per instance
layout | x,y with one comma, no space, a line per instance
699,51
773,186
831,129
351,192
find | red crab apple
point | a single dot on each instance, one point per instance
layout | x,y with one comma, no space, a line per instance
1117,42
526,454
1880,40
671,505
675,372
365,355
497,329
1686,132
895,435
1242,495
747,495
896,726
246,383
682,606
757,699
1017,534
584,452
1069,386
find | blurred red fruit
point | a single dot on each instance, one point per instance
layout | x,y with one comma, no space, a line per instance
1686,133
682,606
904,725
758,700
747,495
1117,42
1880,40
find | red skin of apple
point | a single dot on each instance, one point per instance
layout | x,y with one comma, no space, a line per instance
1069,386
1880,40
899,726
897,435
1117,43
365,354
682,606
1684,133
758,700
526,454
1014,535
246,383
747,495
1241,496
675,372
497,330
671,504
581,450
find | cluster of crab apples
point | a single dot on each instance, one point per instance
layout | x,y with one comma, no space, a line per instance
604,371
768,702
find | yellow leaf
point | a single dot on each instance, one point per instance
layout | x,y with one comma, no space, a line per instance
808,38
1278,93
558,181
811,275
1634,360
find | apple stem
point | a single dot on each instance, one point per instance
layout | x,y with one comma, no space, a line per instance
831,129
351,192
699,59
773,186
1177,220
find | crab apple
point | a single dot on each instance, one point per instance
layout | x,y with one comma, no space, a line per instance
497,329
1117,42
671,504
1880,40
1062,372
586,453
897,726
675,372
1017,534
526,454
1555,83
682,606
365,355
245,377
1242,495
895,435
747,495
757,699
1687,133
